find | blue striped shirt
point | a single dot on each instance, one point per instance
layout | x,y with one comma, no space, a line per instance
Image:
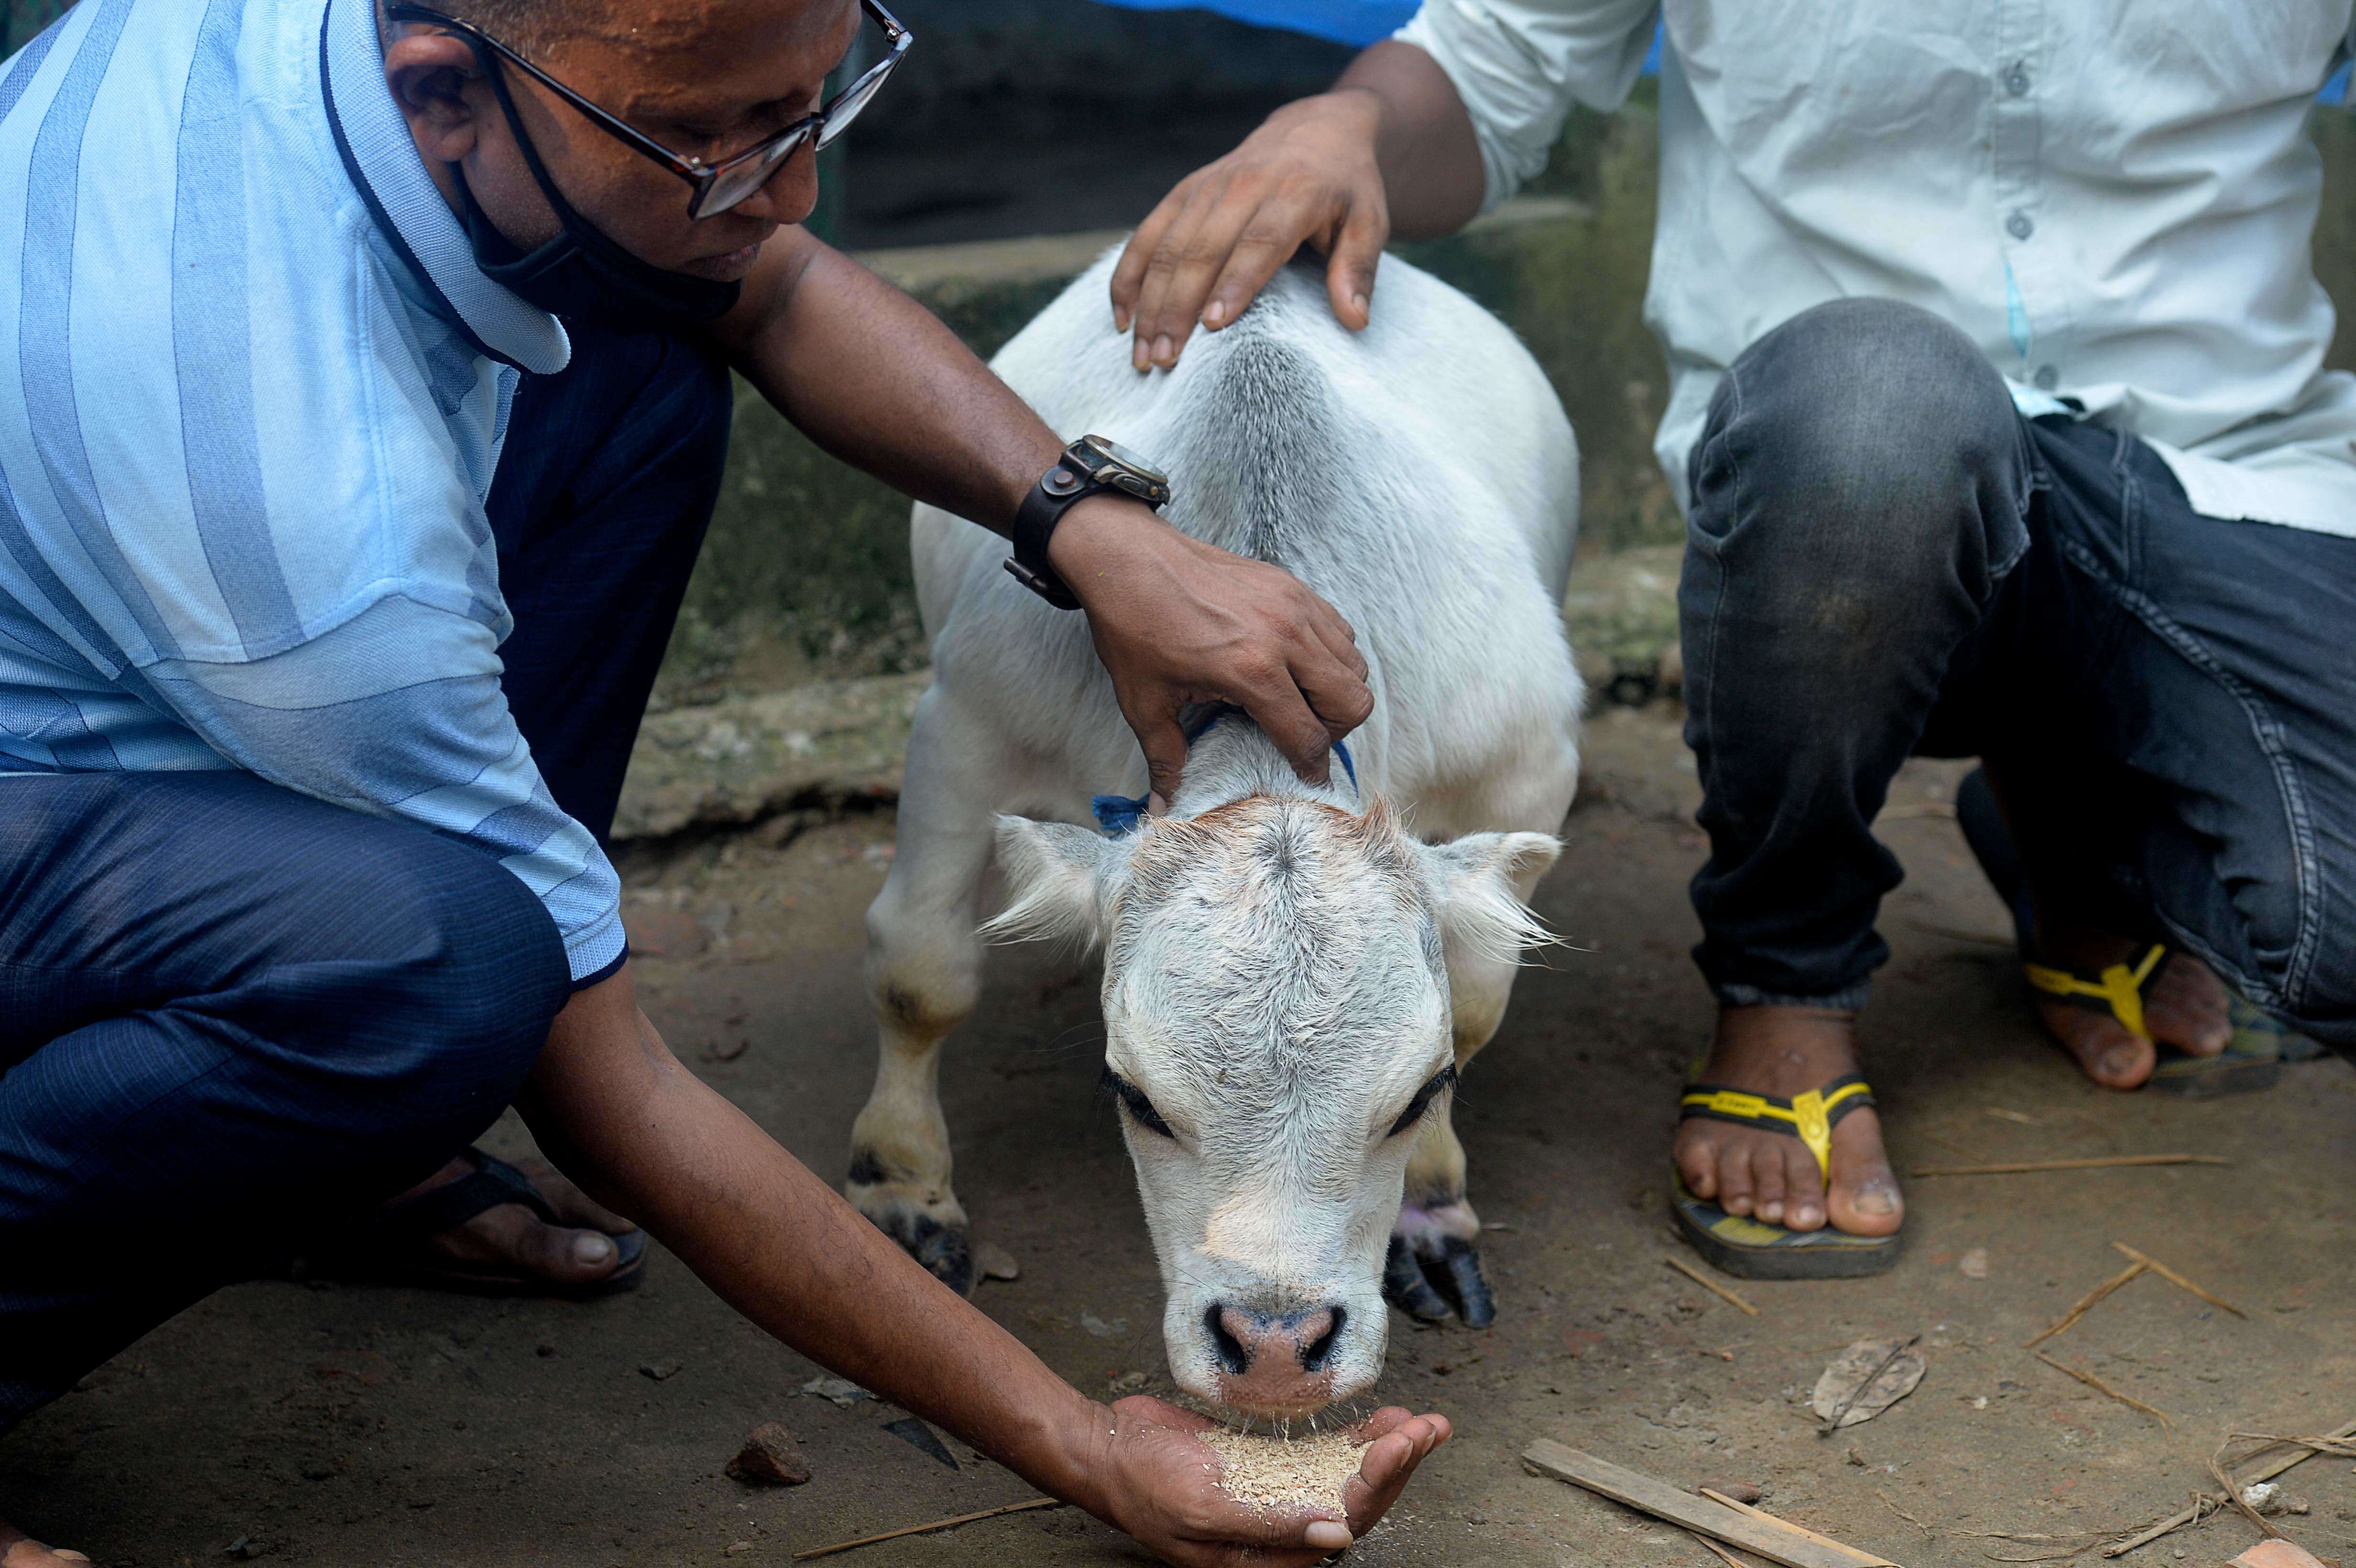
261,391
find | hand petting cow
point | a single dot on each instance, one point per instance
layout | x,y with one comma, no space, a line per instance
1294,975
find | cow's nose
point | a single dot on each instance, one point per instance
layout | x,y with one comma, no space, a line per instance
1278,1344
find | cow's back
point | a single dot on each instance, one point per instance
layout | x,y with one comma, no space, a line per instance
1420,474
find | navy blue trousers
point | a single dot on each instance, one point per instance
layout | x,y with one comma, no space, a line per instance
229,1012
1885,559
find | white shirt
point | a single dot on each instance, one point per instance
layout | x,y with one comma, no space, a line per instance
2113,197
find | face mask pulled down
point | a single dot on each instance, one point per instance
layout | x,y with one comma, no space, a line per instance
581,275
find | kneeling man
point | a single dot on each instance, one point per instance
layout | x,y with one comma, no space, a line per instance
1999,415
366,398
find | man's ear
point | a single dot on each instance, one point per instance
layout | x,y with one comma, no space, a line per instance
1476,885
429,74
1055,878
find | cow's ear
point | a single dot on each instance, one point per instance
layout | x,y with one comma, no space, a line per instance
1476,884
1055,881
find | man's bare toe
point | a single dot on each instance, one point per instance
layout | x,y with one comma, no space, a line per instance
1864,1198
1735,1190
1767,1184
572,1206
514,1234
21,1552
2188,1007
1696,1161
1803,1189
2106,1053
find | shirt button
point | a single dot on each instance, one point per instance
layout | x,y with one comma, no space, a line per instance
2020,226
2048,377
2016,81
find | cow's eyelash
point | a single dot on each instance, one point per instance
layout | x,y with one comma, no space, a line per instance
1422,1101
1137,1105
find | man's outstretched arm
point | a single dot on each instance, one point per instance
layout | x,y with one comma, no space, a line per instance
618,1111
876,380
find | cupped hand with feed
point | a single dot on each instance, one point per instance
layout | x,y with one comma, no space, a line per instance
18,1550
1178,621
1161,1486
1308,175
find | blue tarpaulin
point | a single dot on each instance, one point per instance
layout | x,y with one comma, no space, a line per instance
1343,21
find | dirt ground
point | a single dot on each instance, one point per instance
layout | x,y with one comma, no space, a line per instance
383,1427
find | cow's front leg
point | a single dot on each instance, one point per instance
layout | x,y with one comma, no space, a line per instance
924,976
1433,1272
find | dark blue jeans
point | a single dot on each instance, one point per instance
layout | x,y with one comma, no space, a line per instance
1884,558
229,1012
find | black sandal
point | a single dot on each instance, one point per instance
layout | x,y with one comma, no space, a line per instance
1753,1249
394,1248
2252,1059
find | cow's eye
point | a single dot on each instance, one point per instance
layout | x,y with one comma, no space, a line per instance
1134,1101
1422,1101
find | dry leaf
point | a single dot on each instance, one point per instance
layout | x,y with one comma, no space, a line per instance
1867,1379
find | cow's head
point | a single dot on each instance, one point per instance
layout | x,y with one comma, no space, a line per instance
1277,1010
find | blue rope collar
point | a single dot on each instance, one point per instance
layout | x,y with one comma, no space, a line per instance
1119,814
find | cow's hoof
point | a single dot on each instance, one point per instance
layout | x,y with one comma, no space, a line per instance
1453,1266
1405,1287
945,1251
1459,1263
941,1244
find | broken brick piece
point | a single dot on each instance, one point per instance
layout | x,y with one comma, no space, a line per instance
1740,1491
2277,1554
770,1457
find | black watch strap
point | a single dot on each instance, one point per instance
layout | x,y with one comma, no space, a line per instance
1034,525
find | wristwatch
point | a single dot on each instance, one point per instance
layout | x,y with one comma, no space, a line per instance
1090,466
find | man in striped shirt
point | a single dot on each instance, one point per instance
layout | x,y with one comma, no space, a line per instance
367,404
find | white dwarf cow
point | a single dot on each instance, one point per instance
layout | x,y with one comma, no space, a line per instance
1293,974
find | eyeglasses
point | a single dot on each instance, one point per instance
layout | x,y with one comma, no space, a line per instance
717,186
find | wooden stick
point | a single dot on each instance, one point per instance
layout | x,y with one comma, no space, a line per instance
1861,1558
2104,1162
2234,1493
2087,1301
1723,1554
926,1528
2099,1386
2204,1501
1762,1535
2175,1278
1710,1285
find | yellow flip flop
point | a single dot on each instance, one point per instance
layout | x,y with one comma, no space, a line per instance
2253,1059
1753,1249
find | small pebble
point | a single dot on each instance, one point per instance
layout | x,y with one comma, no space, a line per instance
1740,1491
770,1457
543,1350
657,1371
1974,1263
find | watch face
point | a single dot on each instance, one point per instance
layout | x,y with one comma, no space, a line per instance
1121,456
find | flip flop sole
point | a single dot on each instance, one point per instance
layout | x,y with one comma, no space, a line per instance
629,1273
1752,1249
2252,1059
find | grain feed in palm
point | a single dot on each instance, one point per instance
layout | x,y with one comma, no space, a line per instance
1270,1472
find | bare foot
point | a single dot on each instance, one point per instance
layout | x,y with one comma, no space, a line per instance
511,1236
1771,1176
18,1550
2185,1005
